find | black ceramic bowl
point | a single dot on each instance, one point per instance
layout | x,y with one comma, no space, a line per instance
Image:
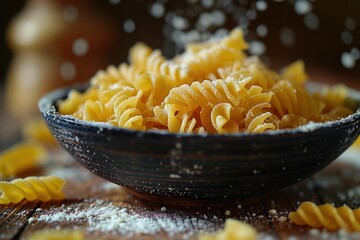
201,166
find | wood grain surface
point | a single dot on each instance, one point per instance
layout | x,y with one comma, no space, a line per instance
97,207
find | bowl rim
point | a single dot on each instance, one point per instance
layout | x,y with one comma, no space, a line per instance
47,107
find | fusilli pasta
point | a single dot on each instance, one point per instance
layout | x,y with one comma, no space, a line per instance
233,230
326,216
32,188
357,143
213,87
37,130
21,157
53,234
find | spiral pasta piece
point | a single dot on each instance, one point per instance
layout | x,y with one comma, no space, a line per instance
212,87
333,97
154,88
111,97
54,234
139,55
222,118
174,74
75,100
235,40
127,114
208,61
259,120
21,157
326,216
37,130
295,73
291,120
290,99
94,111
189,97
180,122
32,188
233,230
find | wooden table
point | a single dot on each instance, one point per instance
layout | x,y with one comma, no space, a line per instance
106,211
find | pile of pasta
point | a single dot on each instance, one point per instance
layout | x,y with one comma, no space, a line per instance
213,87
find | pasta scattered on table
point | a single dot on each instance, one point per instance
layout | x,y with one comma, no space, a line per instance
233,230
37,130
21,157
326,216
53,234
32,188
213,87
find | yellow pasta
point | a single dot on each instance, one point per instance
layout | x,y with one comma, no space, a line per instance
333,97
32,188
290,99
213,87
37,130
154,88
291,120
53,234
259,119
76,99
21,157
326,216
180,122
357,143
139,54
174,74
233,230
295,73
224,118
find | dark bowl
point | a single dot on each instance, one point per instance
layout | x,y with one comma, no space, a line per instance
201,166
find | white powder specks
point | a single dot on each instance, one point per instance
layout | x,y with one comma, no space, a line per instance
207,3
282,219
261,5
348,60
107,186
261,30
257,48
180,22
311,21
272,212
114,1
346,37
355,52
31,220
67,71
350,23
174,176
70,13
129,26
80,47
106,217
287,37
58,217
303,7
157,10
71,174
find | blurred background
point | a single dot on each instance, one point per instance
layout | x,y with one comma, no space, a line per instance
47,44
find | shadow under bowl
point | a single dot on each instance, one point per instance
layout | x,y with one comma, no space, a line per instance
200,166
